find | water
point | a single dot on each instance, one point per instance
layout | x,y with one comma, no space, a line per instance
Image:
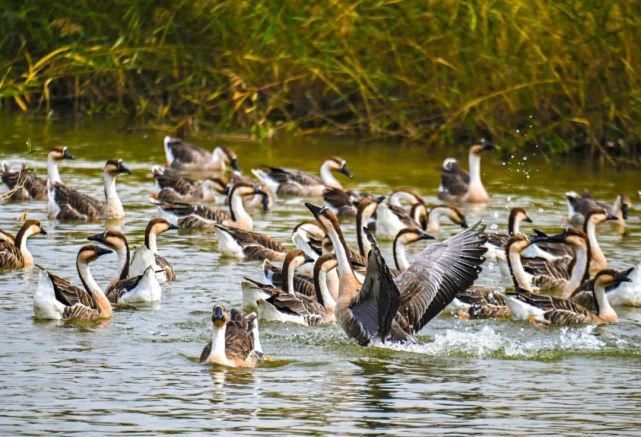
140,371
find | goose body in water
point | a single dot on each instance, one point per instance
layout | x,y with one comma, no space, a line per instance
182,155
66,203
235,340
248,245
546,309
147,255
56,298
178,188
292,182
14,253
459,186
26,185
202,217
124,288
395,309
580,206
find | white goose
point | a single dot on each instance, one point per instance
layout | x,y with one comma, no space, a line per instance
147,255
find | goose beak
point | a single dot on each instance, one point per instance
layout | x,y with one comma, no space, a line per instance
100,251
172,227
464,224
527,219
315,210
234,164
346,171
67,155
379,199
98,238
309,259
122,168
612,217
265,202
43,232
625,210
426,236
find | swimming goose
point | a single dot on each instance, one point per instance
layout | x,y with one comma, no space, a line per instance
459,186
14,253
286,304
248,245
580,206
391,219
186,156
66,203
234,341
285,181
147,255
202,217
403,238
28,186
396,308
558,311
56,298
627,293
124,288
177,188
478,302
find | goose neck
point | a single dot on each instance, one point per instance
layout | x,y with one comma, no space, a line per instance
52,170
328,177
102,303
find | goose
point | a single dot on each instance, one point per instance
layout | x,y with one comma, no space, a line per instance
57,299
391,219
234,341
14,253
546,309
148,255
186,156
396,308
177,188
66,203
202,217
248,245
124,288
580,206
459,186
285,181
324,265
26,185
343,202
479,302
627,293
287,304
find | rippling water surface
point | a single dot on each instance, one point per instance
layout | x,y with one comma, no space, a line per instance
140,371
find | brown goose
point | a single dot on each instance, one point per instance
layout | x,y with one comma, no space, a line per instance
525,305
234,341
580,206
286,304
56,298
124,288
177,188
459,186
396,308
186,156
26,185
147,255
285,181
14,253
202,217
66,203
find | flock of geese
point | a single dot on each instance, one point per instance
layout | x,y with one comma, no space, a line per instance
557,279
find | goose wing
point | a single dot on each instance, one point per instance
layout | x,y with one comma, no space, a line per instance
186,153
180,184
377,303
205,353
164,264
69,294
560,268
557,310
476,295
285,302
192,215
10,256
245,238
438,273
115,292
497,239
239,342
285,175
6,237
74,202
454,180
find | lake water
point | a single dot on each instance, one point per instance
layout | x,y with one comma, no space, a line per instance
139,372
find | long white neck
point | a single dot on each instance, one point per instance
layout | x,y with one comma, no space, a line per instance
522,278
151,241
257,346
218,344
98,295
328,299
475,169
578,271
433,219
301,243
516,227
400,257
238,210
605,310
344,267
597,254
52,170
328,177
114,205
27,258
122,264
290,278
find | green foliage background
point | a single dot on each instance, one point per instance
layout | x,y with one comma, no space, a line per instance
563,74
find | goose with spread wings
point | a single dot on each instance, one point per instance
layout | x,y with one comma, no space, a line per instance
395,309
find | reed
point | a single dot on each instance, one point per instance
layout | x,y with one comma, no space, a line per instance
562,75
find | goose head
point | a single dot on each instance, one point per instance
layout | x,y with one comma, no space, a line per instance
482,146
29,228
90,253
296,258
455,215
517,216
519,242
608,278
625,204
411,235
159,225
228,156
60,153
367,206
114,167
219,316
244,188
112,239
326,217
598,215
339,164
